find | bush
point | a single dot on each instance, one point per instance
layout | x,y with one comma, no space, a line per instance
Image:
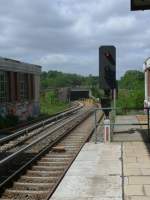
129,99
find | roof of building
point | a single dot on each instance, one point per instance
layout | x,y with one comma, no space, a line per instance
7,64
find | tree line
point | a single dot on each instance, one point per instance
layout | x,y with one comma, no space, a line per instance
130,85
60,79
131,90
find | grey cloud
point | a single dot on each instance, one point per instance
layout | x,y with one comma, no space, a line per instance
65,34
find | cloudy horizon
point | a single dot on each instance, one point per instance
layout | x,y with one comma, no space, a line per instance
65,35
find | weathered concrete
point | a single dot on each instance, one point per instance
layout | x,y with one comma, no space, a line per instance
123,133
97,172
126,119
95,175
136,159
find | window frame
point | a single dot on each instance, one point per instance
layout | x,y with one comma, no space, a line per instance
23,86
4,86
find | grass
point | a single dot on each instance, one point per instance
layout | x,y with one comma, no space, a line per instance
51,105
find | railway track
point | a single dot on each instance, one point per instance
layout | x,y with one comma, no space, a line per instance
27,137
37,122
35,171
38,127
31,144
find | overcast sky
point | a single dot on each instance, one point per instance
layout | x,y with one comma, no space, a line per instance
65,35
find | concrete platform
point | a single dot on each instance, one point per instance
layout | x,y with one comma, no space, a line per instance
136,169
124,133
95,175
115,171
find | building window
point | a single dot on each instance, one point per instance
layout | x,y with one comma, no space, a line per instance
31,87
23,83
3,87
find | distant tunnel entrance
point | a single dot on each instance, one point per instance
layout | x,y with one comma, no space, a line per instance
79,94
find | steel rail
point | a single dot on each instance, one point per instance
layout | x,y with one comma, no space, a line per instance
35,121
14,155
38,125
38,132
46,149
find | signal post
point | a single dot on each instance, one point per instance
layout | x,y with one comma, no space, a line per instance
107,75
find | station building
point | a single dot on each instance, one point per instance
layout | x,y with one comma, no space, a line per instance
146,68
19,89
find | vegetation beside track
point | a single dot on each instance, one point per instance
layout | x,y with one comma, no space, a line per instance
130,85
51,105
55,79
131,90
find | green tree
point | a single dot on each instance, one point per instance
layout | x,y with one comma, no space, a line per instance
131,90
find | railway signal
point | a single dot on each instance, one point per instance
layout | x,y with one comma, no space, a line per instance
107,76
107,67
140,5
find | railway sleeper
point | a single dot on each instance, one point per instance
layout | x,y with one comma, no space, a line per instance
48,168
69,148
75,136
52,160
12,199
38,179
72,146
75,141
74,151
72,142
25,194
32,186
59,154
46,163
44,173
55,159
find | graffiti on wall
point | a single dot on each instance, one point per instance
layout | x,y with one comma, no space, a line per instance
3,111
22,110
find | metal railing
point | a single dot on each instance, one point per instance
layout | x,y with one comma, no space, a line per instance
146,110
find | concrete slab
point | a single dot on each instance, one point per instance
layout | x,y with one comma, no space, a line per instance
126,119
137,171
93,176
123,133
